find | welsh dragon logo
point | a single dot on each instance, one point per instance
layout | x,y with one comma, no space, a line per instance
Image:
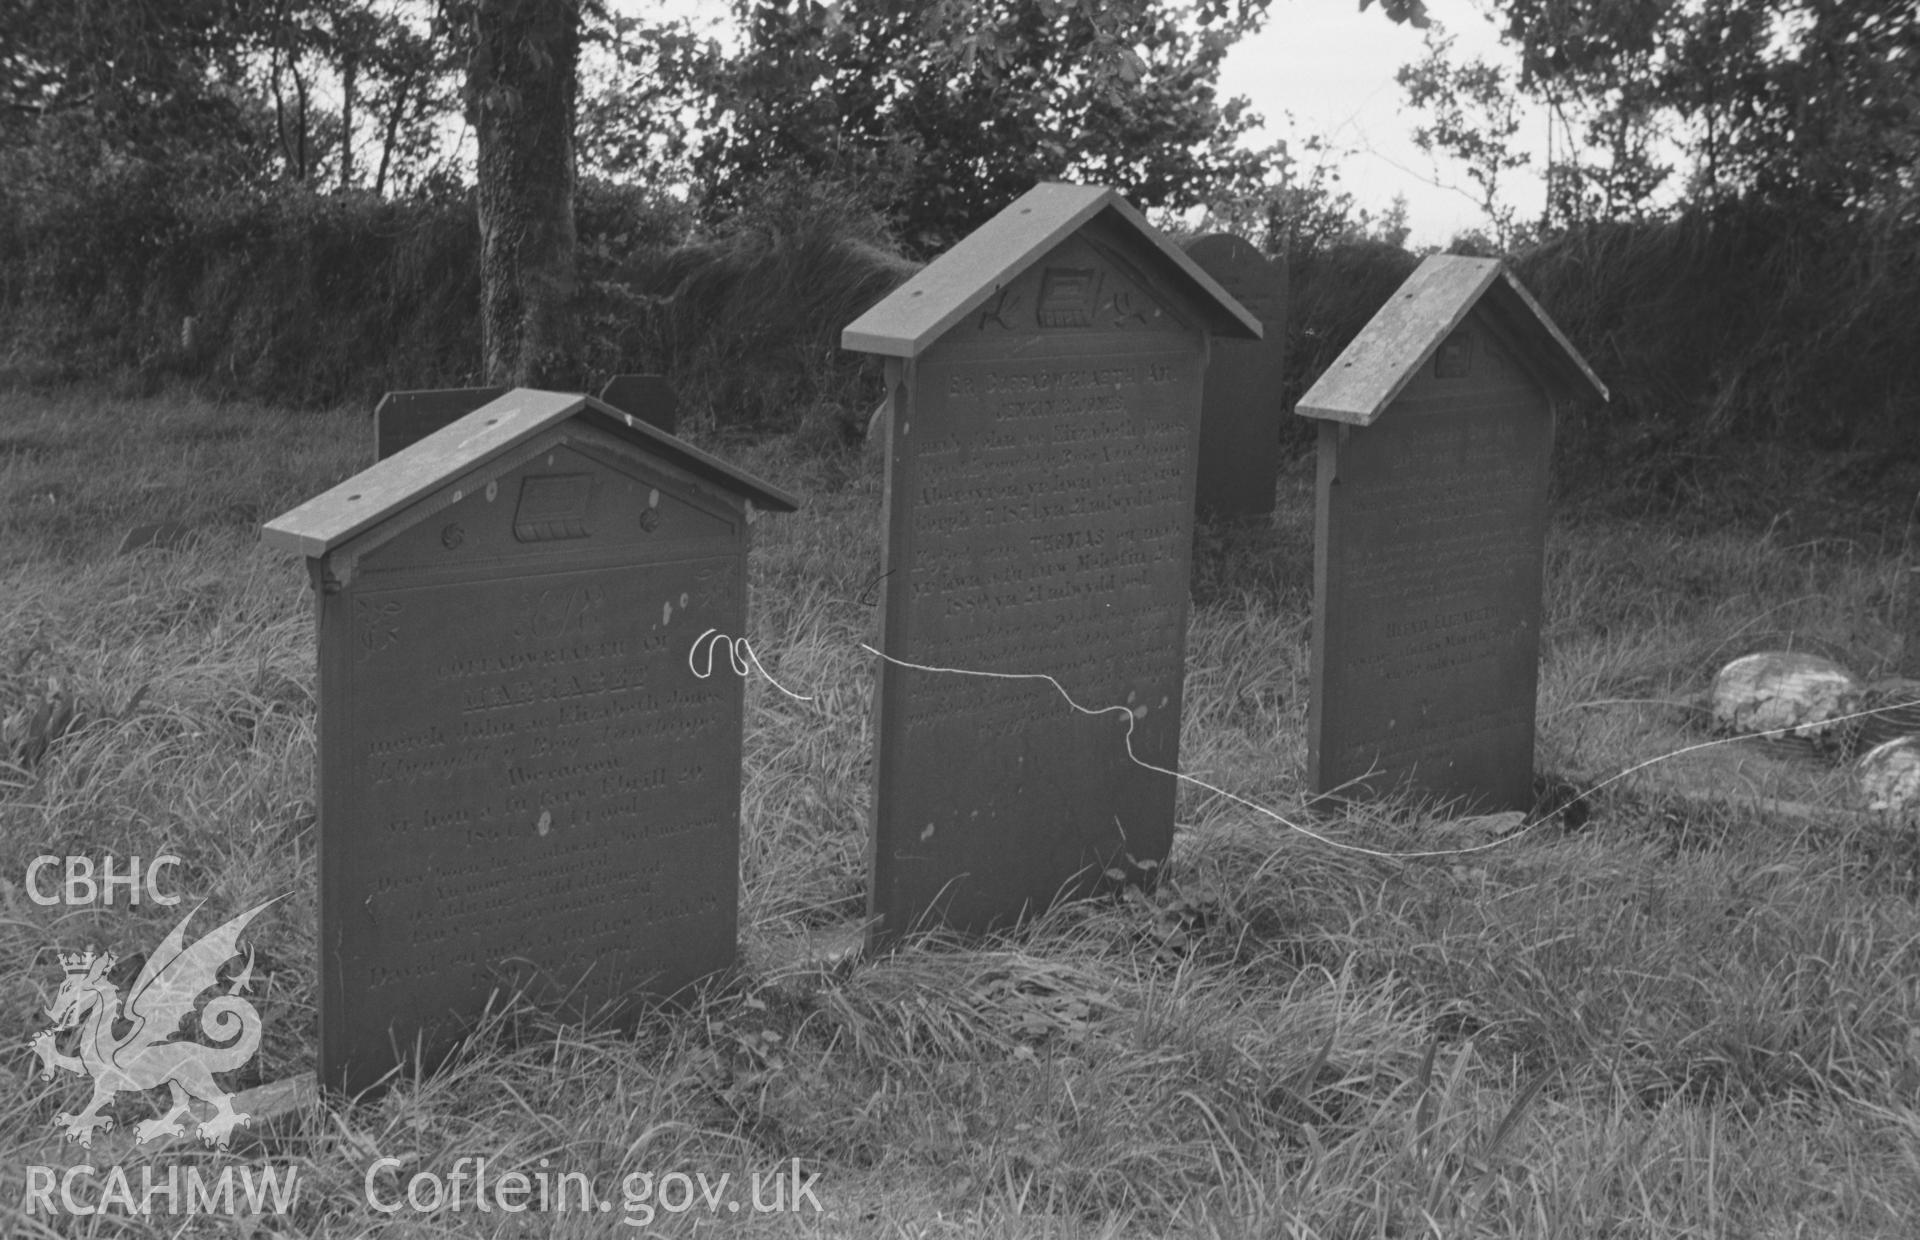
145,1057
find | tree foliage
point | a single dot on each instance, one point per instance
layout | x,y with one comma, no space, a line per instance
1474,116
1299,210
219,95
390,72
107,80
945,111
1814,103
635,120
522,61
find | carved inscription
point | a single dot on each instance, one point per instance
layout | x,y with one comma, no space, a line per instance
1045,522
1041,526
1433,577
379,625
537,791
1077,297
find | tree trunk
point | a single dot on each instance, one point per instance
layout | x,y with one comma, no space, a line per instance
280,116
398,110
521,80
300,97
349,75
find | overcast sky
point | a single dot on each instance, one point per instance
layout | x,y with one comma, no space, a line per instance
1332,67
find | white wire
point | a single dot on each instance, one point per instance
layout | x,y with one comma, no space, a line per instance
740,654
736,646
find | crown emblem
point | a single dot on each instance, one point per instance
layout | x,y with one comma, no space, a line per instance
83,962
151,1052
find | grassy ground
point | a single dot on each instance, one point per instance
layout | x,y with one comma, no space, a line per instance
1645,1018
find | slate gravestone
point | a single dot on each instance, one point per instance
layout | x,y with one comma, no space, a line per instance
405,418
1044,378
1435,437
1240,414
647,397
523,785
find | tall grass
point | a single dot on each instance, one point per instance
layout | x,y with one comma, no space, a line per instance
1753,321
1659,1020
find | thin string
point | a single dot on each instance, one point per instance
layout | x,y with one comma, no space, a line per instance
1196,782
739,654
736,645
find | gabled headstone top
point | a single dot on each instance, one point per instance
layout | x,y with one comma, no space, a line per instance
332,517
960,281
1409,330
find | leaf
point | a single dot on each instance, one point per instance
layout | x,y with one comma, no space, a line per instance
1424,1118
1514,1115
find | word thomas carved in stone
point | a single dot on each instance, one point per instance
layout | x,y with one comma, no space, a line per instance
1044,378
523,786
1240,415
1436,430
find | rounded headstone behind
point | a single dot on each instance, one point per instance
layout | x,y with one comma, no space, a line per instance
1241,408
1888,776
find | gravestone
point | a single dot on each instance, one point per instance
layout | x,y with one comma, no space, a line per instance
1044,378
1240,414
1436,429
523,785
647,397
404,418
